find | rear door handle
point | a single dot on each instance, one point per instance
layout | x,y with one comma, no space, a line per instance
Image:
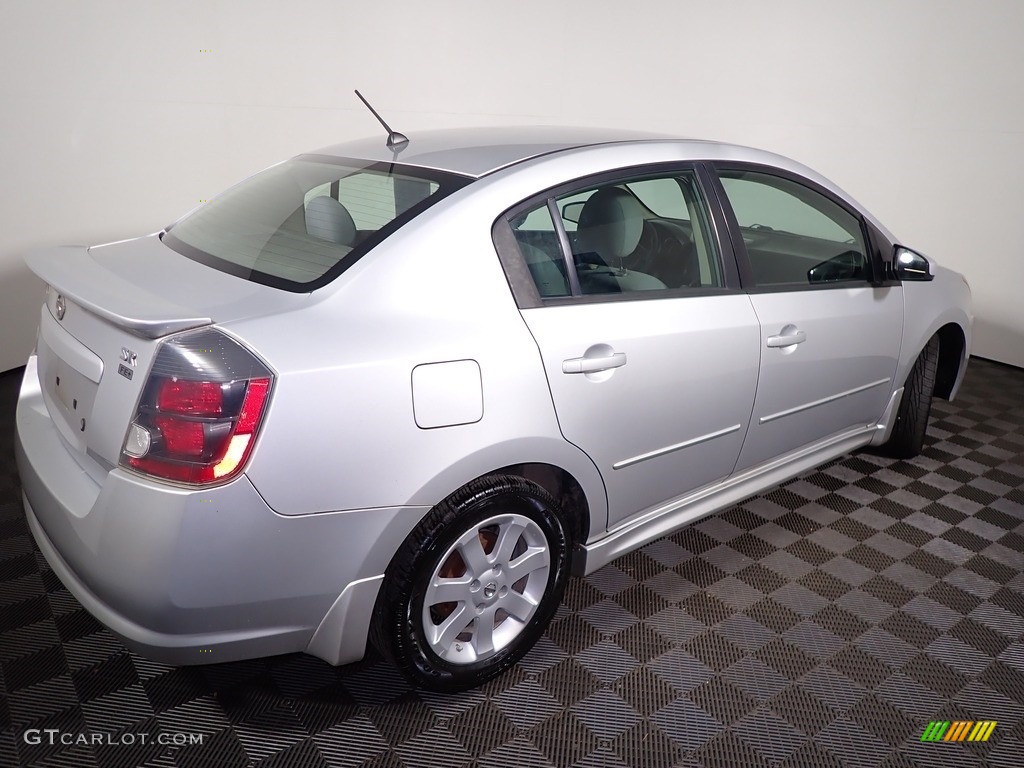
593,364
787,339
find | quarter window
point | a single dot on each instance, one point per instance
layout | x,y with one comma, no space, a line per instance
628,236
539,244
794,235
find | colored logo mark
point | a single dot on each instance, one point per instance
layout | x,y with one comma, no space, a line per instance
958,730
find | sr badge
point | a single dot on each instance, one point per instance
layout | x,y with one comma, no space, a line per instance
127,356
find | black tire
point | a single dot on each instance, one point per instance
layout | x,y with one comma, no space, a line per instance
507,608
907,437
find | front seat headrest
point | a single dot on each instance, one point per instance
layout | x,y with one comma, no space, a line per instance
329,220
611,223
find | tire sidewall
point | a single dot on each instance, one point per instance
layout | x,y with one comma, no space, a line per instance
914,410
460,515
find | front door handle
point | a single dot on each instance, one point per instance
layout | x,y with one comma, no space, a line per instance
787,338
594,364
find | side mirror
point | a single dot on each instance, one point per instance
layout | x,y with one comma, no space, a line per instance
910,265
571,211
848,265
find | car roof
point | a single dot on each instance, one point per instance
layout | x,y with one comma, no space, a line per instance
477,152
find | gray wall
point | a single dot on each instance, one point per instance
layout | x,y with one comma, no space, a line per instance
116,117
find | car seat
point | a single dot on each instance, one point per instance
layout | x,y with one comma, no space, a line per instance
610,227
327,219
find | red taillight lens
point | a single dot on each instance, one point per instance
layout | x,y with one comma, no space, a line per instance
184,438
198,430
240,442
252,406
196,398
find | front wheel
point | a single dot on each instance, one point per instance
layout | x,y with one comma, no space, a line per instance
475,584
907,437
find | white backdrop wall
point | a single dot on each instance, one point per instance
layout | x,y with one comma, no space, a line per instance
117,116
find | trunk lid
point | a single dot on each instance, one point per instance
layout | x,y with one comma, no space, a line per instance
106,309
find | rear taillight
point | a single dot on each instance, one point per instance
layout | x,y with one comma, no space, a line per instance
200,410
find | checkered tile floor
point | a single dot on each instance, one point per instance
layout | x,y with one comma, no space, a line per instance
824,623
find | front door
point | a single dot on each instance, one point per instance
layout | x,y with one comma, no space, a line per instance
830,339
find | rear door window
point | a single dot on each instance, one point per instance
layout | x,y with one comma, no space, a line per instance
634,236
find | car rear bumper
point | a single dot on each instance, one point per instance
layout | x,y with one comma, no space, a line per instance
170,648
189,576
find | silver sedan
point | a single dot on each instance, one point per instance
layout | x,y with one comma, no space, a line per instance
402,392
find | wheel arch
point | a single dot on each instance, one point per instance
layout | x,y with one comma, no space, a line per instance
566,489
562,469
952,346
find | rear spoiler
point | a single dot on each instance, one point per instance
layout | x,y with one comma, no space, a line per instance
71,271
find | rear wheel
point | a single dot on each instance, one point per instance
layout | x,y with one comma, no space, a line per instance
907,437
475,584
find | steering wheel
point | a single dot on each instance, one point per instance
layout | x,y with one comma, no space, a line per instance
672,259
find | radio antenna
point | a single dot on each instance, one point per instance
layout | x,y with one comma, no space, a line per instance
396,141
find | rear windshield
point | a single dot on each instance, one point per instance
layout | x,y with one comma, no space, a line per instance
299,224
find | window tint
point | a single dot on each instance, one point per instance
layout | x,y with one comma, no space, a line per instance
639,235
793,234
538,243
297,223
374,199
662,197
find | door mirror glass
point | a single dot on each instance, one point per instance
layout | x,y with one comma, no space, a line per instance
571,211
911,265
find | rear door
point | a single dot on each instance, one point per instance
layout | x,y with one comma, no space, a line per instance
830,338
650,349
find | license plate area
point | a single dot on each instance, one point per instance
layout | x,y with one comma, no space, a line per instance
74,392
69,395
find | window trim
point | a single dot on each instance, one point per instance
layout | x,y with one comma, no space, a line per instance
563,242
731,223
521,281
